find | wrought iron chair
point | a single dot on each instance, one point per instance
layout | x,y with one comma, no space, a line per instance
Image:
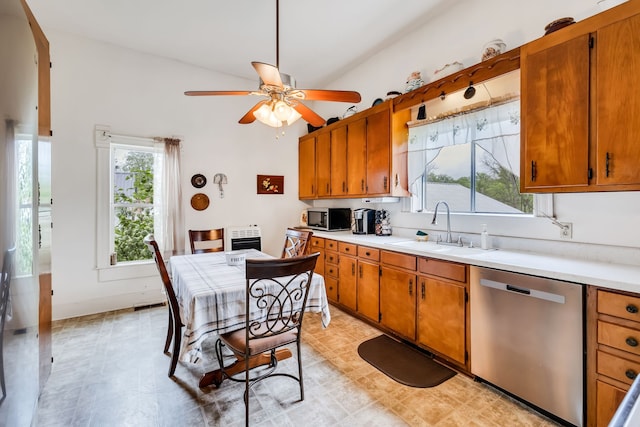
214,240
5,281
296,243
276,295
174,330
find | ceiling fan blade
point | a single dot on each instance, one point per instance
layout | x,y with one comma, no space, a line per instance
249,117
331,95
268,73
216,92
307,114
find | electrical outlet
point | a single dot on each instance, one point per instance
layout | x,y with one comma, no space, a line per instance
566,232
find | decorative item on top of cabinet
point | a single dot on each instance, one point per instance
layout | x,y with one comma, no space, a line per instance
613,351
579,76
493,48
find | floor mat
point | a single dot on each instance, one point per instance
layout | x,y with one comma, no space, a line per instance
403,363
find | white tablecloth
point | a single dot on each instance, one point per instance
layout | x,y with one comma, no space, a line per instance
211,295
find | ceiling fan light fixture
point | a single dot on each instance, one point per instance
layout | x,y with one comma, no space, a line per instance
276,114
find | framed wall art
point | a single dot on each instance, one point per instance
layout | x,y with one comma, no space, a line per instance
270,184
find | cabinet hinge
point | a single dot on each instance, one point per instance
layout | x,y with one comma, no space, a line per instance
379,317
466,296
591,42
50,64
50,133
51,292
466,356
590,173
379,272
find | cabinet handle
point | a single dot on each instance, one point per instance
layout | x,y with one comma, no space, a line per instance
362,185
367,253
327,188
385,182
606,164
533,171
410,287
422,290
346,249
353,269
632,309
631,374
631,342
397,180
343,186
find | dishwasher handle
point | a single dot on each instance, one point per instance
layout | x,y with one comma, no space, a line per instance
533,293
519,290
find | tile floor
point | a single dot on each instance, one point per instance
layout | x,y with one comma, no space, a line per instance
109,370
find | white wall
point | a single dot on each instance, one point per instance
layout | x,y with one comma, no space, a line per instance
604,224
136,94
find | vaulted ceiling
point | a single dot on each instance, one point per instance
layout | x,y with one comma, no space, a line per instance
319,40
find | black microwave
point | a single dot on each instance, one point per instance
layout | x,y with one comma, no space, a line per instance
329,219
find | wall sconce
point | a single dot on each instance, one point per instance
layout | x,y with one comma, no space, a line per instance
422,112
470,92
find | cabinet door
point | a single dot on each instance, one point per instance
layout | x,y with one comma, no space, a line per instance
323,164
609,398
368,290
618,109
307,168
441,317
555,116
347,290
378,153
357,157
339,161
398,301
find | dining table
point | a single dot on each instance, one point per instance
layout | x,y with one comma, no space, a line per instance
211,293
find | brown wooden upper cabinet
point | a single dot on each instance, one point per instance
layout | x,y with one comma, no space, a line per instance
580,128
359,156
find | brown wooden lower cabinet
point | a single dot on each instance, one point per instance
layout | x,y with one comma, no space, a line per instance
398,293
347,294
369,290
609,398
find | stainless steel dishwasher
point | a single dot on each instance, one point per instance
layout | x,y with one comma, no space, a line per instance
527,339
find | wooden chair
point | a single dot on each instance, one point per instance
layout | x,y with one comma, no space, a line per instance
276,295
174,330
5,281
296,243
214,240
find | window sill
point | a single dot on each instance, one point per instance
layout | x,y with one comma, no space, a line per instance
127,271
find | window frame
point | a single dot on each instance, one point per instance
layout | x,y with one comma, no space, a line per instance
104,140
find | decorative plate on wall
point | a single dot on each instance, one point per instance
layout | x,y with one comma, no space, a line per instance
200,201
198,180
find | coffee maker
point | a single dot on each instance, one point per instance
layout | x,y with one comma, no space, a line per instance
364,221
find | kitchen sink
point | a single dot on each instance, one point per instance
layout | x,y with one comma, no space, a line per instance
432,247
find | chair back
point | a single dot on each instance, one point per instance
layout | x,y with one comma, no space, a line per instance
277,291
202,241
296,243
151,243
5,280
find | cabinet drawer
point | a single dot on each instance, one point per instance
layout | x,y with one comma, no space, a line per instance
624,306
331,257
331,245
331,270
348,248
331,285
620,337
398,260
317,242
446,269
617,367
368,253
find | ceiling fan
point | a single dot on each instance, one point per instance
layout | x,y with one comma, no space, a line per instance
283,104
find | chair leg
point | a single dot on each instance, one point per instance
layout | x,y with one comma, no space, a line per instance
176,347
4,391
300,371
169,332
246,390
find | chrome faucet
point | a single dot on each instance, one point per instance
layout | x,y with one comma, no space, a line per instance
434,220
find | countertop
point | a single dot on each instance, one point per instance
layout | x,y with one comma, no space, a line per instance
608,275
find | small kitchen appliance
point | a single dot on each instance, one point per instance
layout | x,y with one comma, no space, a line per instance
364,221
329,219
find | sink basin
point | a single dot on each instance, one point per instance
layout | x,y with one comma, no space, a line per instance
431,247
